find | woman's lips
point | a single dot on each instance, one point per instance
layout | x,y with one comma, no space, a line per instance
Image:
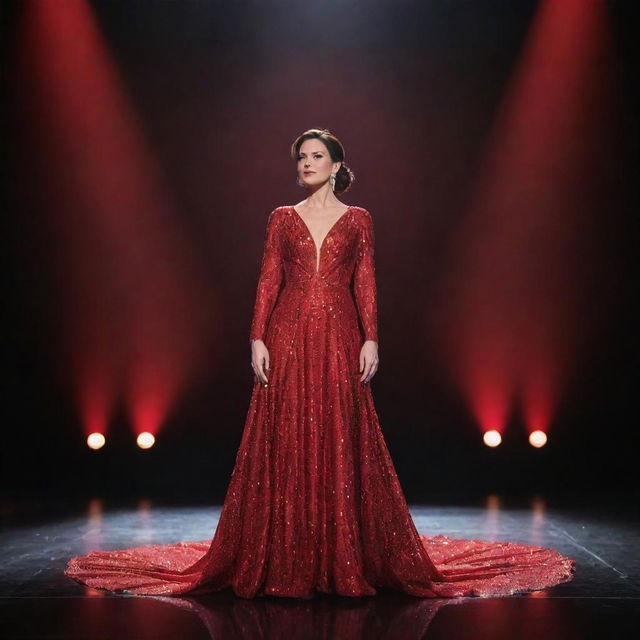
308,173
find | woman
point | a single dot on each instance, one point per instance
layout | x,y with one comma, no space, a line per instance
314,503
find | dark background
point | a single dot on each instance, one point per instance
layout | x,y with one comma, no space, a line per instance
222,89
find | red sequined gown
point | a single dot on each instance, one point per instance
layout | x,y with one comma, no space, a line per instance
314,503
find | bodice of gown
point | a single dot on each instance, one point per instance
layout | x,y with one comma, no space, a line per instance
294,280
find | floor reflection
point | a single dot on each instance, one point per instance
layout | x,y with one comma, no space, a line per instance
381,617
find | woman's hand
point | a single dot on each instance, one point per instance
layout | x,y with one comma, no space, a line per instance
260,361
368,360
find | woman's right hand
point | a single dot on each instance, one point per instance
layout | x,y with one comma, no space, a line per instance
260,361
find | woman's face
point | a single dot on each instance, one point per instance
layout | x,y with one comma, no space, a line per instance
314,163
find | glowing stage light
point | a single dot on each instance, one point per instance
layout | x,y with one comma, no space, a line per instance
537,438
145,440
492,438
95,440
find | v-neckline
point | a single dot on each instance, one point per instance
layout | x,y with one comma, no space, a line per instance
318,251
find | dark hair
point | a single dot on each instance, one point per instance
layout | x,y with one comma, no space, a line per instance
344,177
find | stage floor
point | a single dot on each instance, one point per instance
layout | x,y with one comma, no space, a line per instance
38,601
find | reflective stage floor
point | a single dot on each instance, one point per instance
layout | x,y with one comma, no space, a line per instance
38,601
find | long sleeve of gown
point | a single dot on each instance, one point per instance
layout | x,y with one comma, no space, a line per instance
271,273
365,280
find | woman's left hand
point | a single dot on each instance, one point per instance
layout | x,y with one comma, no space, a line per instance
368,360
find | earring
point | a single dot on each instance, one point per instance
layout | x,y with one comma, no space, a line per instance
332,179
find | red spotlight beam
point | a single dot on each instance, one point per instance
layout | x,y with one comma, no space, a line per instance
517,282
141,319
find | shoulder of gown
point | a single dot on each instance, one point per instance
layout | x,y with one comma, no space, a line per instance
363,218
289,207
365,213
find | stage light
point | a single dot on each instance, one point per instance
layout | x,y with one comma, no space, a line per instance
136,314
537,438
145,440
492,438
95,440
504,323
